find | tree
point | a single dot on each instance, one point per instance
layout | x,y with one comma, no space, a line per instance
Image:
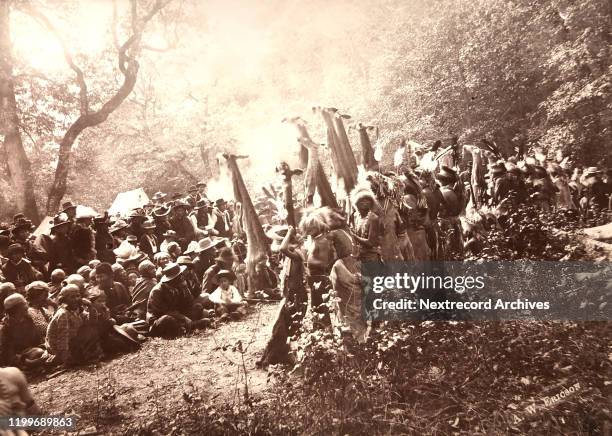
128,53
17,162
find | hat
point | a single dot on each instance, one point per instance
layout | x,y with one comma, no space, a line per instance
21,224
591,172
125,250
69,291
184,260
158,196
207,243
176,196
447,174
68,205
137,213
161,211
127,332
191,248
148,225
201,204
172,271
18,216
14,300
35,287
170,234
85,214
180,203
7,288
118,225
193,188
226,274
201,184
220,202
226,255
60,220
131,238
15,249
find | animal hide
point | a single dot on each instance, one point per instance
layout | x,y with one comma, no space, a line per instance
257,243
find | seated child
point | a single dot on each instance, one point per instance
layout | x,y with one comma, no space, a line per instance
226,298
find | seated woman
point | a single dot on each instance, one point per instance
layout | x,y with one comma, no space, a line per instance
226,298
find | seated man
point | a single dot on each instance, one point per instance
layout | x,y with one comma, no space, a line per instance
20,337
171,307
142,289
71,339
226,298
18,269
118,299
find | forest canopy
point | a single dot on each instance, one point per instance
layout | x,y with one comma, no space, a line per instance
193,78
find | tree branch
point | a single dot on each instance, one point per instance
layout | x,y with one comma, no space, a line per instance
28,8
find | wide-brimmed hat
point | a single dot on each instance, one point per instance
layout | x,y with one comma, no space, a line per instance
184,260
192,188
161,211
137,213
220,202
172,271
158,196
148,224
191,248
21,224
68,205
447,174
128,332
201,184
224,273
180,203
60,220
201,204
18,216
170,234
591,172
118,225
207,244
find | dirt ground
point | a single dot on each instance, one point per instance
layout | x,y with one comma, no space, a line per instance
162,375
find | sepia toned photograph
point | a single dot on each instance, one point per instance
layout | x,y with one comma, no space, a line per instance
305,217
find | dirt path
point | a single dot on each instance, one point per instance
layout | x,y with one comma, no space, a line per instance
162,375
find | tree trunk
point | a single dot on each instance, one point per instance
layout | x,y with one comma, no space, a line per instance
12,147
89,119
